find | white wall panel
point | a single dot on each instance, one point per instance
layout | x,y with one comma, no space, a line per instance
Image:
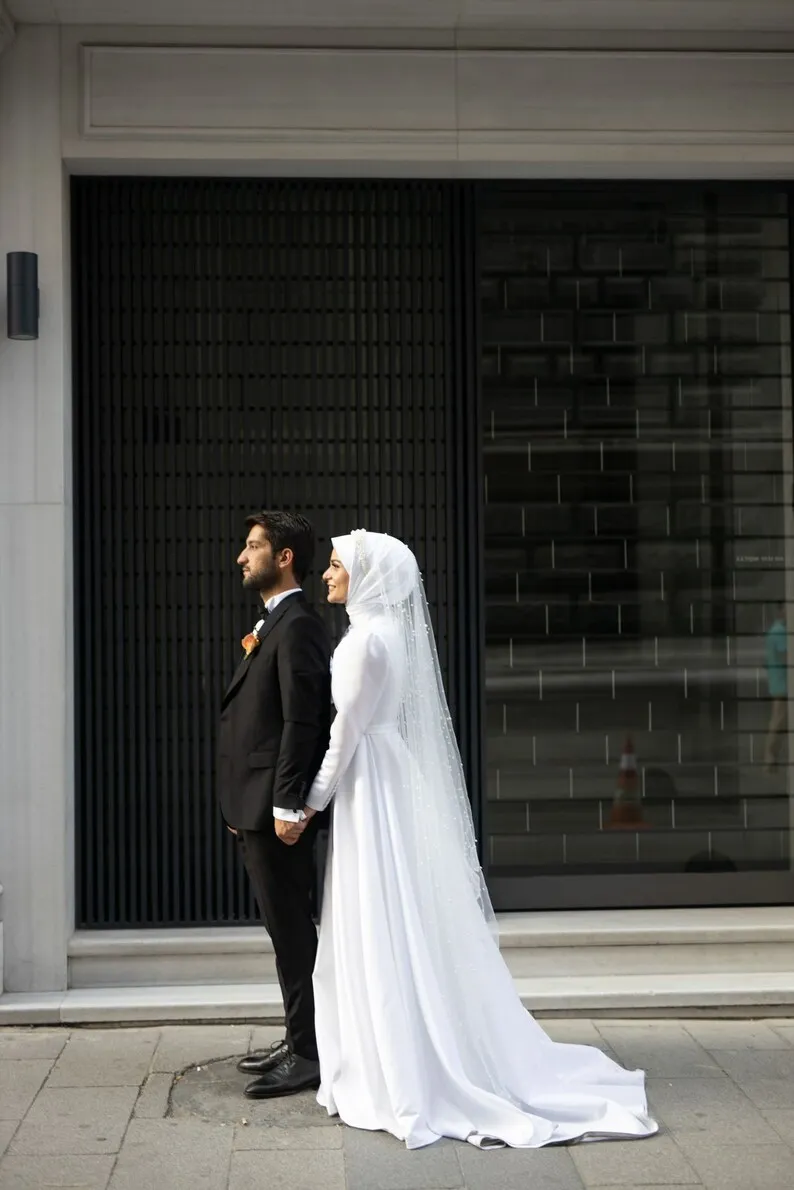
454,112
240,91
664,95
607,16
36,746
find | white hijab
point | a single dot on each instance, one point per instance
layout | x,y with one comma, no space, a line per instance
383,572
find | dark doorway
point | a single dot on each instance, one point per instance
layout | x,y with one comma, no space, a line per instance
239,344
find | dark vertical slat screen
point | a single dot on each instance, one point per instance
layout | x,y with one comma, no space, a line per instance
240,344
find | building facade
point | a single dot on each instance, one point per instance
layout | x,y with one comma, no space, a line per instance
512,286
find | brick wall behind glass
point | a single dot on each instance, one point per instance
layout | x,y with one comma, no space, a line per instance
635,379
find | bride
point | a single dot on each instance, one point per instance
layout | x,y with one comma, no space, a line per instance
419,1028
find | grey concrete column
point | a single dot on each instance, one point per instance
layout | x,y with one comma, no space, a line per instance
36,736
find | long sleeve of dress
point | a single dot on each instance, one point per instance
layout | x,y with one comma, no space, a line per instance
357,692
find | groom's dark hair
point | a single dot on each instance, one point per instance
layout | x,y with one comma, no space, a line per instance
287,530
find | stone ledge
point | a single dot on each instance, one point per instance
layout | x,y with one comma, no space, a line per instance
136,943
715,994
644,927
609,927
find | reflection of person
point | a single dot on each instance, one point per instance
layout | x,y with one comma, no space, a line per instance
273,735
419,1027
777,683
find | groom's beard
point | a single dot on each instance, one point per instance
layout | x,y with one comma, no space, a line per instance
264,579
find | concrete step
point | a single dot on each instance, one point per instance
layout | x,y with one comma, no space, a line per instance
730,995
130,958
587,944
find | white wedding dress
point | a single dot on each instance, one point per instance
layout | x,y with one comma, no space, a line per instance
420,1030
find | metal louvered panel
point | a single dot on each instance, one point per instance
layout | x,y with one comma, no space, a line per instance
241,344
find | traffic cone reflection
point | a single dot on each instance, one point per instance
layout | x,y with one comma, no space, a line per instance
626,811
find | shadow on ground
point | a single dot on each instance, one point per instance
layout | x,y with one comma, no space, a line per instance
214,1092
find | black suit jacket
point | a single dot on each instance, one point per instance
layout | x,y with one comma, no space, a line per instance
275,718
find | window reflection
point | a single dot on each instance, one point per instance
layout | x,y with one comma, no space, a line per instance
637,448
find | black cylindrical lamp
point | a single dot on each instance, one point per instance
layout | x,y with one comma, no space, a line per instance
22,295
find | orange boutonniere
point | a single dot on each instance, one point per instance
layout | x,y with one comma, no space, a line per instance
249,643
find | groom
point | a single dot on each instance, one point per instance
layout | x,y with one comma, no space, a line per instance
273,735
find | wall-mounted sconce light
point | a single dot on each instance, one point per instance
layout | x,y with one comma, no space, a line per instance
22,295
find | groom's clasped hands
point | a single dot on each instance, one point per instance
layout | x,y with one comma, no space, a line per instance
290,832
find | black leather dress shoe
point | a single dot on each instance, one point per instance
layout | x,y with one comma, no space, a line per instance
262,1062
291,1075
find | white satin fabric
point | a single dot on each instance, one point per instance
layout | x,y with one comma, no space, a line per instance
409,1045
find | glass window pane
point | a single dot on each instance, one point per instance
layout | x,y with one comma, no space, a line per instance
638,486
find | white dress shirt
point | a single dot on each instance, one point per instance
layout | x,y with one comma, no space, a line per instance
270,605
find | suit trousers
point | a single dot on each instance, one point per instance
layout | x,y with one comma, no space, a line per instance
283,880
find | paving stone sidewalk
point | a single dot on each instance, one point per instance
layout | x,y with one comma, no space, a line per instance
162,1109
